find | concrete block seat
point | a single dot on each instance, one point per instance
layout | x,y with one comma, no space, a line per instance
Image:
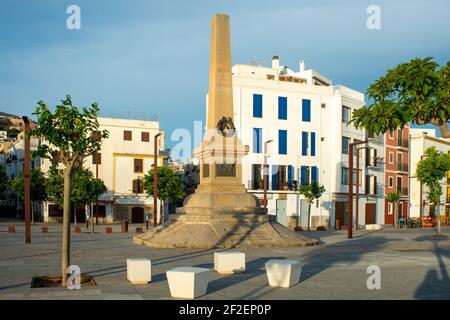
188,282
139,271
373,226
283,273
229,262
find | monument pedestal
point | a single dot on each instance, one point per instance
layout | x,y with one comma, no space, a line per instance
221,213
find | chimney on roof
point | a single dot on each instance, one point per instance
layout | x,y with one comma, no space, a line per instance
275,62
302,65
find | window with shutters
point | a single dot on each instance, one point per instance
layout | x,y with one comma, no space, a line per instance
257,140
145,136
257,106
127,135
344,176
346,114
138,185
306,110
345,145
282,108
313,144
305,143
138,165
282,141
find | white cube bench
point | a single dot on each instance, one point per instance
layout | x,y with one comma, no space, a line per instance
139,271
373,226
188,282
283,273
229,262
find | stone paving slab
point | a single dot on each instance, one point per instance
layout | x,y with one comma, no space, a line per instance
414,265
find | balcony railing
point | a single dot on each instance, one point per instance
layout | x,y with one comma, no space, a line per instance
403,143
403,167
403,191
375,137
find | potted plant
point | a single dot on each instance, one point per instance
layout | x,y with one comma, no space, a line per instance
261,184
285,185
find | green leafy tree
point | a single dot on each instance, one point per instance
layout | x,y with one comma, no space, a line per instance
4,183
311,192
430,171
394,198
170,184
69,135
416,91
85,188
38,192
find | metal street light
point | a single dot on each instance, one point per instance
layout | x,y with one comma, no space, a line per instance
350,187
265,173
26,174
155,179
357,187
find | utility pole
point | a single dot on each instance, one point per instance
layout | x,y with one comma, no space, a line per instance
155,180
26,174
265,172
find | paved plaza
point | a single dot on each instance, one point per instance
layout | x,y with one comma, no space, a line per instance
414,265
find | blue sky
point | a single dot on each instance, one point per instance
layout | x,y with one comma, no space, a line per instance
151,57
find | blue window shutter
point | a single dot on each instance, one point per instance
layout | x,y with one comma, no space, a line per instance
314,174
303,178
306,110
257,106
290,175
282,141
313,143
257,140
282,108
275,177
304,143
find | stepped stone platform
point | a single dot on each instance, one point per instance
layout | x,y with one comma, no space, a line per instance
226,230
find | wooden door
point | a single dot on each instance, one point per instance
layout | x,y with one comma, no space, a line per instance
370,213
339,213
137,215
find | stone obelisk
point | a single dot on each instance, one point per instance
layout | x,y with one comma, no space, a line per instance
221,213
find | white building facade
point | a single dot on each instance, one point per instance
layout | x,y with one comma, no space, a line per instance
422,139
306,118
125,157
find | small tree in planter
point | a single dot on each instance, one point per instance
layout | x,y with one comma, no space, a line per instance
170,184
70,134
312,191
430,171
394,198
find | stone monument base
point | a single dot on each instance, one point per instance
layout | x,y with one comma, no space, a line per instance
222,230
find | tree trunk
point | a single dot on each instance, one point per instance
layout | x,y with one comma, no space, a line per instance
92,218
394,207
309,215
438,217
65,251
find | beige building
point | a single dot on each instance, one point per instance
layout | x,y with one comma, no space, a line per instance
422,139
125,157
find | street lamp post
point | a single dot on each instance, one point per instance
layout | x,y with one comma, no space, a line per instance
357,188
265,172
155,179
350,188
26,174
